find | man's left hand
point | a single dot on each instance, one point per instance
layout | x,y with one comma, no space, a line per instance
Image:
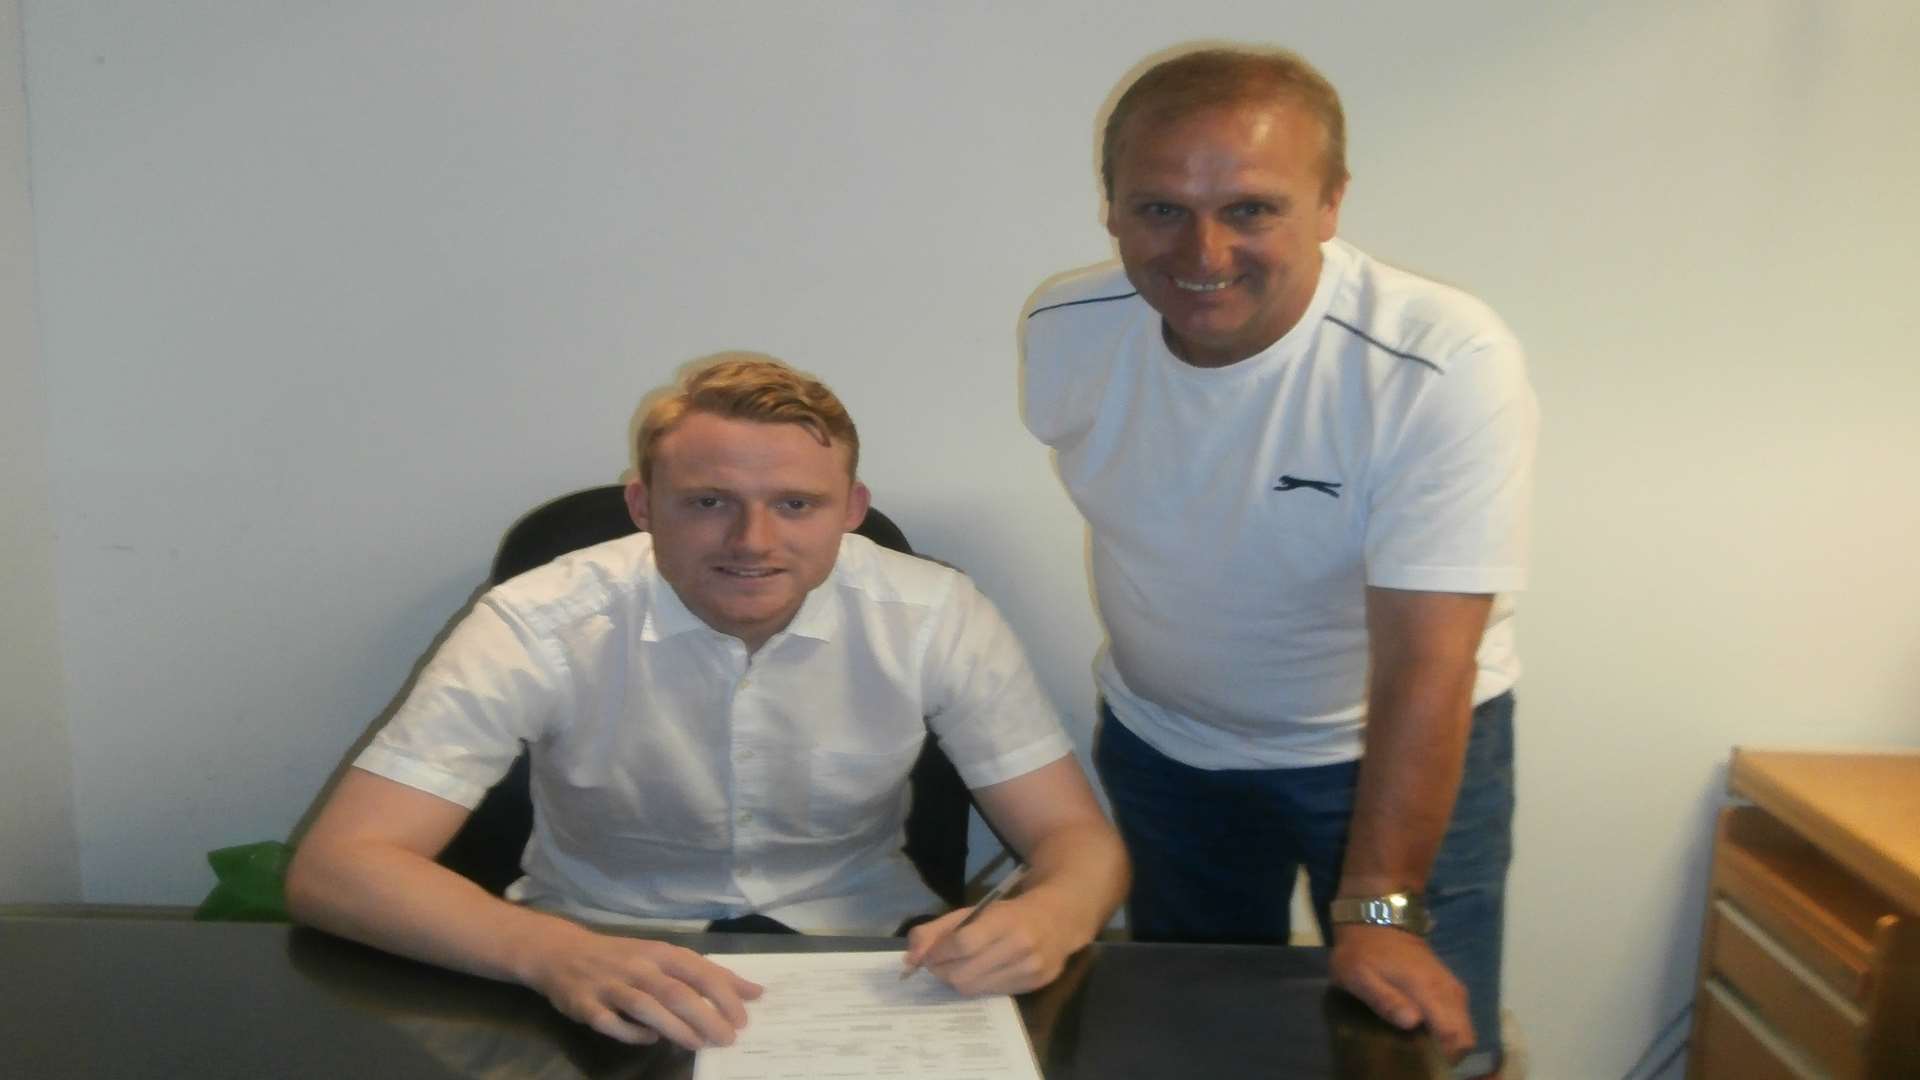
1399,977
1014,946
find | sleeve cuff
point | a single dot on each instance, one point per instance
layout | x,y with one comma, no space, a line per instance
414,773
979,774
1454,579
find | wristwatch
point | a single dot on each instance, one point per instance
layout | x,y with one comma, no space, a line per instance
1402,911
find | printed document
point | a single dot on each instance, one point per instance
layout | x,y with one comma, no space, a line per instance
849,1014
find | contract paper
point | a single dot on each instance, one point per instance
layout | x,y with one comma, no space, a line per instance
849,1014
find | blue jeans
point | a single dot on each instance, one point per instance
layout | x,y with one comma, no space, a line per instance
1216,851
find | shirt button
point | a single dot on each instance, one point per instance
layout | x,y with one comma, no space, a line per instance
745,818
744,755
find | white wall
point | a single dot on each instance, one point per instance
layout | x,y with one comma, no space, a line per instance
331,293
38,857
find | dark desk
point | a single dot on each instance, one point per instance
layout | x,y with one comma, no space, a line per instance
86,997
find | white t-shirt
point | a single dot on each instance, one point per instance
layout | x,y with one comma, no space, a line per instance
676,780
1239,513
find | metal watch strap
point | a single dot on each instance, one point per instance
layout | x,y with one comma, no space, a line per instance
1402,911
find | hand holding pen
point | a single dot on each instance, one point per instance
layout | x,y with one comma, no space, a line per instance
994,894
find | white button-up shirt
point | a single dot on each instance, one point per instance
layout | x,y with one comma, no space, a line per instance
677,780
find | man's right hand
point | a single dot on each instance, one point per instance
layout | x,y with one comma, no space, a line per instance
1401,980
366,871
637,991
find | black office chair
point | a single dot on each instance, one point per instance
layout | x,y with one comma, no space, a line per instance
488,847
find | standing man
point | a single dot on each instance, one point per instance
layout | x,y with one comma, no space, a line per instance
722,711
1306,475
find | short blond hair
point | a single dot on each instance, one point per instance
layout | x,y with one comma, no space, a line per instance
745,386
1207,78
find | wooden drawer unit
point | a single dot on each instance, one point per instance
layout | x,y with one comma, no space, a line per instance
1810,959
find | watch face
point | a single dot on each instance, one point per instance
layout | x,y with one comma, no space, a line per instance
1398,910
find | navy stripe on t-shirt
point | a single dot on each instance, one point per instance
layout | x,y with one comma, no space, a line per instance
1076,303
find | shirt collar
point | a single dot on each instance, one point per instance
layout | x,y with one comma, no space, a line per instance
819,615
667,614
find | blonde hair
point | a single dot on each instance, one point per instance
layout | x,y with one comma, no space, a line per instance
1207,78
745,386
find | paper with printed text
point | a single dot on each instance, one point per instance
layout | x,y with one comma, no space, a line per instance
850,1015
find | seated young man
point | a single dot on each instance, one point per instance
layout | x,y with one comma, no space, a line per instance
722,712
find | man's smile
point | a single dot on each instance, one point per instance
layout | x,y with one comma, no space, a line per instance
1202,286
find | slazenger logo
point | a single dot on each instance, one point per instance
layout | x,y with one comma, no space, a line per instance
1294,483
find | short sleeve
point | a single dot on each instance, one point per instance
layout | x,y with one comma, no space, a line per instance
1070,333
1050,385
1451,480
984,703
492,685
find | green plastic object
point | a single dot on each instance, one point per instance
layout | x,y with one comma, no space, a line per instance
250,885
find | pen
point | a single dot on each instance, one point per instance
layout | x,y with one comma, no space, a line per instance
997,892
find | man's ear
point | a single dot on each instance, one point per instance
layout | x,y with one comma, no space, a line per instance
637,502
1330,211
857,502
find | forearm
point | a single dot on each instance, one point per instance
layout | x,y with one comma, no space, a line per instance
1419,714
1416,739
1079,873
405,903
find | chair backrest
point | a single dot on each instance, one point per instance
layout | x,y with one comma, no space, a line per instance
488,847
